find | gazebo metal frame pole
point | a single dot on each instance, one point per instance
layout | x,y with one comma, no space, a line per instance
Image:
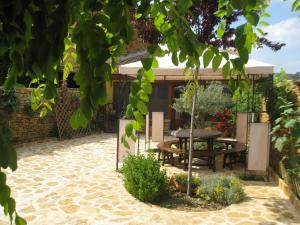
236,109
247,130
118,128
253,99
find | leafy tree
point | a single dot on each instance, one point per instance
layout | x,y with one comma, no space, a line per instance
210,99
35,35
203,18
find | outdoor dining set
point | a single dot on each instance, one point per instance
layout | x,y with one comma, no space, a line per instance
233,150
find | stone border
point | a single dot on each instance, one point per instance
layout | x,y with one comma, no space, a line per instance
286,190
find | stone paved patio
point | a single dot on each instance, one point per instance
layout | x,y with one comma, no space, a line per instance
74,182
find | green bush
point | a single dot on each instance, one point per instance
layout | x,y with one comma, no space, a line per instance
144,179
224,190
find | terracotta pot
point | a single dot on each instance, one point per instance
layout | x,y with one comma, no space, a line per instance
180,187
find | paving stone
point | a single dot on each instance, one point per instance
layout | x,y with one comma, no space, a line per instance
74,182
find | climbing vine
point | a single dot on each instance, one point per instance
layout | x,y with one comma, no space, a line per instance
36,35
9,103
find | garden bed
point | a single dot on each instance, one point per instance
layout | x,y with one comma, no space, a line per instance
182,202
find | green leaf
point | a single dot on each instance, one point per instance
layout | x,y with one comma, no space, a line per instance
133,137
43,112
155,63
264,23
129,112
261,31
147,87
295,4
253,18
216,62
4,194
149,75
290,123
175,59
265,15
128,129
147,63
226,69
139,117
244,55
136,125
221,29
280,143
207,57
143,96
13,159
2,179
155,50
20,221
11,206
124,141
142,107
135,87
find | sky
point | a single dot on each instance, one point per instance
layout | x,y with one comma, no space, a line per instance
284,27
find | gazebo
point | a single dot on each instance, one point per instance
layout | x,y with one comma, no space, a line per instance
169,80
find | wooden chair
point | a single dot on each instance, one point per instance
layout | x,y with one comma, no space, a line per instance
168,149
238,150
236,154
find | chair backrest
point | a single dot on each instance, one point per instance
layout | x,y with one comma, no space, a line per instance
241,127
259,146
157,126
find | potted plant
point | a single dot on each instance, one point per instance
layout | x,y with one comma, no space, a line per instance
179,181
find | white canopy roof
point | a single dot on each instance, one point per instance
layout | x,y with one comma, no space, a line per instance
168,71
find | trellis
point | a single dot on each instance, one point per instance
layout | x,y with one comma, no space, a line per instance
66,104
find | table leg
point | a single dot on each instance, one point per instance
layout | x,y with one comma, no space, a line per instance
211,161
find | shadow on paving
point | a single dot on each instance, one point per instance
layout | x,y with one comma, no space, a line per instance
54,146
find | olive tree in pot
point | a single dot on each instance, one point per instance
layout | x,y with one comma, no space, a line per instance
211,99
286,138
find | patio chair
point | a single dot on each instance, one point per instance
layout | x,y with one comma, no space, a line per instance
238,150
167,149
241,131
234,155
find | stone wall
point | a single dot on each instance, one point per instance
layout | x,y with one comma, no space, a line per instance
27,128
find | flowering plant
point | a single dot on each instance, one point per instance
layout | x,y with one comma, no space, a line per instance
223,121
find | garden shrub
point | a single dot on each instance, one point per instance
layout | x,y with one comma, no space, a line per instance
144,179
224,190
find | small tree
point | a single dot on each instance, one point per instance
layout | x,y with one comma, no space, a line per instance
214,98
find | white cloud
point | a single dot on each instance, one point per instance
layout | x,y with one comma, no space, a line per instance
286,31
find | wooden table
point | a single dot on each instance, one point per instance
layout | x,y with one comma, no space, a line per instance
206,135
